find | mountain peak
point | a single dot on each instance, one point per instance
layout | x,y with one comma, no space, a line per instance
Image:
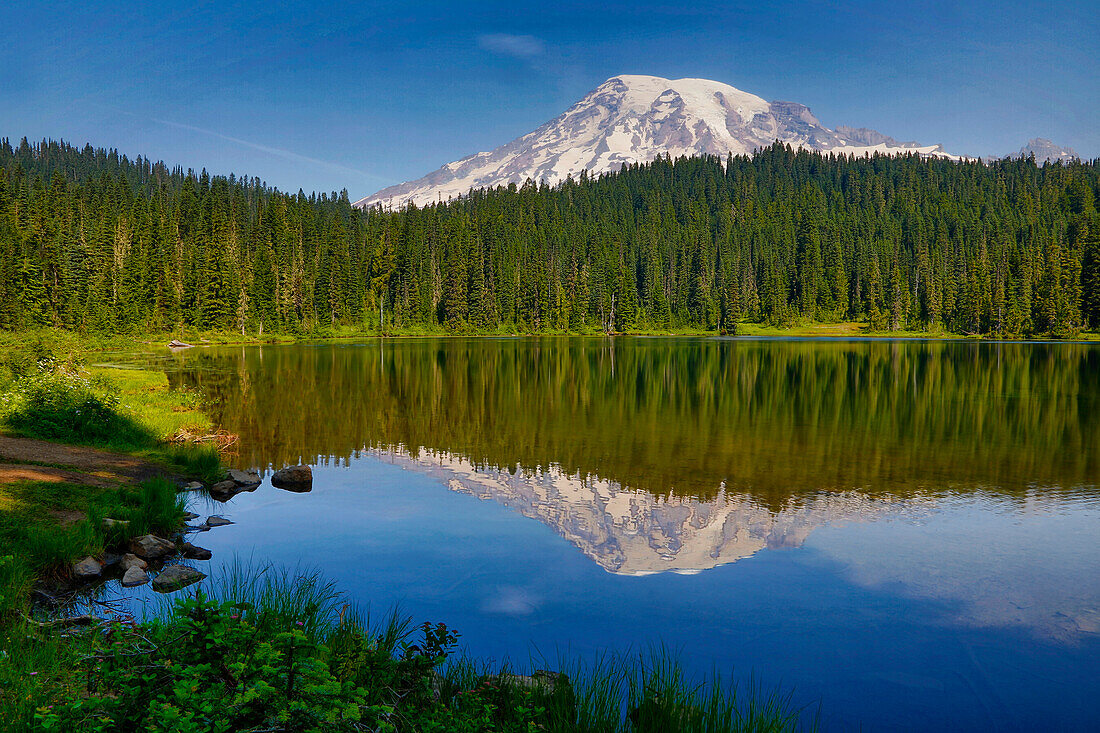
1046,151
633,118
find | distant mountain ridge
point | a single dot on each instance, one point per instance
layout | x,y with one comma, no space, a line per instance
633,119
1046,151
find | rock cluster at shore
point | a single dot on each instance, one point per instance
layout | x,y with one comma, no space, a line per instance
135,565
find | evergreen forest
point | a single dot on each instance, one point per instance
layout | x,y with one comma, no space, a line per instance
92,241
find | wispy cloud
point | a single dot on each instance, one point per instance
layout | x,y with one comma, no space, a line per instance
278,152
521,47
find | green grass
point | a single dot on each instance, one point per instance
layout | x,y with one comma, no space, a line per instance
55,398
118,409
49,394
41,544
40,667
194,460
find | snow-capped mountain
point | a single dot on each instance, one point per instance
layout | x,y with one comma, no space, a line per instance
632,118
1045,151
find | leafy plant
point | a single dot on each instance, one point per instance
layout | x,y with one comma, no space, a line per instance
59,402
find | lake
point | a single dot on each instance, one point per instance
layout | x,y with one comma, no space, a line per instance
904,532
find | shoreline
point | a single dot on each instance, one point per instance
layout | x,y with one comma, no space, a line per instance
78,344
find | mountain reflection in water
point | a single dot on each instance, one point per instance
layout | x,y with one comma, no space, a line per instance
768,418
631,532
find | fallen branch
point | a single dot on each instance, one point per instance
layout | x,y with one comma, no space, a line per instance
221,439
67,622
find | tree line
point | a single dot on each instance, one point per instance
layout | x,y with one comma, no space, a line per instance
91,240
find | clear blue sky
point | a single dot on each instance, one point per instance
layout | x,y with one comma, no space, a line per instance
326,96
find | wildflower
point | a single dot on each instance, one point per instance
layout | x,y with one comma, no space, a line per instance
33,674
301,624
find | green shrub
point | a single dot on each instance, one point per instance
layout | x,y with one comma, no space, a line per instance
60,403
210,668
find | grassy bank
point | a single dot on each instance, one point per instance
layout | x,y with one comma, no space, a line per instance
49,391
51,512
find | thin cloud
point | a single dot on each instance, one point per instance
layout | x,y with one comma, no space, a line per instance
507,44
279,152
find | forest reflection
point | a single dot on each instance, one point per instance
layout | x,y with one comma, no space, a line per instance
771,419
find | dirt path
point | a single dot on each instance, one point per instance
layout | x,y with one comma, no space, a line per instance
12,472
69,463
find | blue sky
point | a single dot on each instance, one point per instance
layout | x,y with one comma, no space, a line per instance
326,96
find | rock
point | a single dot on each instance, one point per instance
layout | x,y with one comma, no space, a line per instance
242,478
295,478
217,521
150,546
109,523
174,344
192,486
550,689
541,680
224,487
188,528
188,516
194,552
174,577
110,559
130,560
87,568
134,575
223,491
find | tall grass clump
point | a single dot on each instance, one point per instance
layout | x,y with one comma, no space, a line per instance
644,693
662,697
16,580
41,546
201,461
154,506
277,596
47,547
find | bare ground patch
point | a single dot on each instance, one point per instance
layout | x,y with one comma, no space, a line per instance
81,464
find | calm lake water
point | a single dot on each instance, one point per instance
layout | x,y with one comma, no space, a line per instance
905,532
